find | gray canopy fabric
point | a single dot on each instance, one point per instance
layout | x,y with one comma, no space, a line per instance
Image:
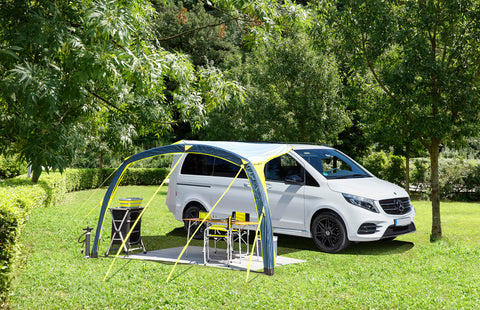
251,156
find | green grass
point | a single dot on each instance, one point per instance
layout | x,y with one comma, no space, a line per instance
409,272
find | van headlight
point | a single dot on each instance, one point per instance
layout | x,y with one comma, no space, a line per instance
362,202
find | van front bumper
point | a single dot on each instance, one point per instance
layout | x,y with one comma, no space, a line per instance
369,231
393,231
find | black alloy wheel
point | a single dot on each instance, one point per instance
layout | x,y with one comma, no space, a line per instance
329,233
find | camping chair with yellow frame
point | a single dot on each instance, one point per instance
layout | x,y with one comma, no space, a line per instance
218,231
241,234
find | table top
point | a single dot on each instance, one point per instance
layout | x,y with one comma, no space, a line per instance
234,222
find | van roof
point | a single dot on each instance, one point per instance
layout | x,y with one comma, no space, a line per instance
254,152
310,146
293,145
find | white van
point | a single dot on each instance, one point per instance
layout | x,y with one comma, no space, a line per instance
313,191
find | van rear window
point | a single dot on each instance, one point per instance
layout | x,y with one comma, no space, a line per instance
198,164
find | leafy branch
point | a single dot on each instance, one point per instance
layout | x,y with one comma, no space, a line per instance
104,101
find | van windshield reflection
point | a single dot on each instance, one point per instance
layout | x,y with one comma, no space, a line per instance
333,164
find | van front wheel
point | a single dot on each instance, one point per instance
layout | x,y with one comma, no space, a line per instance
329,233
192,211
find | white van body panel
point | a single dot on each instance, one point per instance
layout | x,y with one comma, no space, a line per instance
294,206
373,188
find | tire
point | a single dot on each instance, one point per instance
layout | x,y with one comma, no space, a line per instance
192,211
329,233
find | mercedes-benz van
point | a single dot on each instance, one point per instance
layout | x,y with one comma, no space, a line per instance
313,191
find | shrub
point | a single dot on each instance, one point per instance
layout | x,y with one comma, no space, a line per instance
395,170
376,163
11,167
387,167
460,179
18,197
145,176
80,179
418,172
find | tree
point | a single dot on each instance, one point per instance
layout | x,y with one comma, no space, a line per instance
209,36
424,58
63,63
292,88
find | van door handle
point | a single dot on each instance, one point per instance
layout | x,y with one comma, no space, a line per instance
247,185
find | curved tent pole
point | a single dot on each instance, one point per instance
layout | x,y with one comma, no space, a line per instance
263,209
116,180
257,183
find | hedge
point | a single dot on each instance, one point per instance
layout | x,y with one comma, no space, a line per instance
18,197
11,167
459,177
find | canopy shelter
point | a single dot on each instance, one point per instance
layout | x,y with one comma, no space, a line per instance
249,156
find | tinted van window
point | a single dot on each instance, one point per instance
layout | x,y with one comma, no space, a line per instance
284,166
333,164
197,164
279,168
223,168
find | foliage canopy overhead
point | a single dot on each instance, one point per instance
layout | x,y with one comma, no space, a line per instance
62,63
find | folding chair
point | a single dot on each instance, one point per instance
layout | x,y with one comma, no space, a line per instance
218,232
242,235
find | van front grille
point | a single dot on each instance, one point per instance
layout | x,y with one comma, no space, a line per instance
396,206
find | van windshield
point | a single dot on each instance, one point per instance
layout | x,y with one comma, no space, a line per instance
333,164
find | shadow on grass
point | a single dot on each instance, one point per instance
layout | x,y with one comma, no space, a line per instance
290,244
286,244
117,271
378,248
175,238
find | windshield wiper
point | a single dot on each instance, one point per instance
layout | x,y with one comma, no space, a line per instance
353,176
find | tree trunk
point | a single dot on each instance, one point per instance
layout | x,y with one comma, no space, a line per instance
435,186
36,175
407,170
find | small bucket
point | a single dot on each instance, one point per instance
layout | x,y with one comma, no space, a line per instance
130,202
258,246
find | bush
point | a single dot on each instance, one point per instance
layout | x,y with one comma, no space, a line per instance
80,179
395,170
11,167
387,167
376,163
418,172
460,179
19,196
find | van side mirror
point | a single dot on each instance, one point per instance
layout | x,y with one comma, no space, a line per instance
293,179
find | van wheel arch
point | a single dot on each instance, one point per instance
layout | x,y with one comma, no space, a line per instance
329,232
191,210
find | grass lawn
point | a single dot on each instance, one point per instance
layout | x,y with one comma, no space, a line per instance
409,272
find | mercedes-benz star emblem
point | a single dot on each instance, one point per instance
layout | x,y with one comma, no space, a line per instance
399,205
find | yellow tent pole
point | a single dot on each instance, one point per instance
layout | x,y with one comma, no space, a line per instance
139,217
99,204
203,221
94,192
